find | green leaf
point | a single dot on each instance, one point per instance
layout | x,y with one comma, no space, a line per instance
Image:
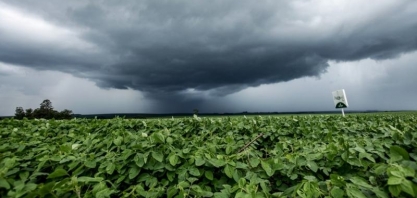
395,190
105,193
407,171
159,137
4,184
312,165
380,169
194,171
395,180
199,161
337,180
267,168
208,174
171,176
242,182
360,182
186,150
90,179
133,172
158,156
90,163
110,168
171,192
397,153
59,172
118,141
380,193
24,175
206,194
355,193
183,184
407,186
336,192
217,163
173,159
254,162
139,160
30,187
229,170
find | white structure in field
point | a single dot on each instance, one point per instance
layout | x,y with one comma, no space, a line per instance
340,100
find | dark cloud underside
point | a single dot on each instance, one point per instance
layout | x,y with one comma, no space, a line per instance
168,47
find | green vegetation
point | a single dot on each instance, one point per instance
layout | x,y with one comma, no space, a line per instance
293,156
45,111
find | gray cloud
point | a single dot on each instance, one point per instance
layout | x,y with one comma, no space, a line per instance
165,48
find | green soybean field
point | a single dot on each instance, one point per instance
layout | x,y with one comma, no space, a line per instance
265,156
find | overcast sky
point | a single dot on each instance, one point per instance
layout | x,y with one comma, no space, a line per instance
159,56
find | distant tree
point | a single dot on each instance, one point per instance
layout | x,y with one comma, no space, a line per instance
29,113
195,111
46,111
20,113
65,114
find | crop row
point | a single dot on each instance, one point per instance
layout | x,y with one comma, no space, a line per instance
300,156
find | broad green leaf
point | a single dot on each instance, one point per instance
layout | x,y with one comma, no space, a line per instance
395,180
105,193
395,190
133,172
217,163
355,193
312,165
221,195
242,182
208,174
229,170
158,156
194,171
159,137
183,185
30,187
379,193
206,194
254,162
118,141
90,163
267,168
171,176
360,182
90,179
59,172
4,184
408,172
336,192
139,160
110,168
186,150
397,153
171,192
173,159
199,161
337,180
380,169
407,186
24,175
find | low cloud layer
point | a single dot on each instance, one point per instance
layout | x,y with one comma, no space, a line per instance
171,49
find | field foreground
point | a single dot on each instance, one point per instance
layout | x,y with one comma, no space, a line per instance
295,156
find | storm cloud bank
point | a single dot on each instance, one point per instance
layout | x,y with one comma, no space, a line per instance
177,48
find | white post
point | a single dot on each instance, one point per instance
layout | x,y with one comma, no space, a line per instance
343,113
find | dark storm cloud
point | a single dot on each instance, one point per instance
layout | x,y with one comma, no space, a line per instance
165,48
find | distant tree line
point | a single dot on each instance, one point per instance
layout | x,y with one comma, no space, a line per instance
46,111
